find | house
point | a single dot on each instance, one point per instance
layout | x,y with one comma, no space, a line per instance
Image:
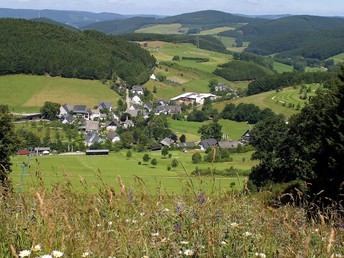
168,110
104,105
245,137
113,136
148,106
204,144
111,125
186,145
229,144
75,110
162,102
95,114
127,123
222,87
167,142
194,98
68,119
92,138
137,90
136,99
92,126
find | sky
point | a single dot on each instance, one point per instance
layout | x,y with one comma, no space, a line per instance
173,7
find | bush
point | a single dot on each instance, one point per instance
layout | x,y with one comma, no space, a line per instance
196,158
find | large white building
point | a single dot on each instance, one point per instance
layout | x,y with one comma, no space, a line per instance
191,97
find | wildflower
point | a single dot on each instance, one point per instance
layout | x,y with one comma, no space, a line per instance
24,253
110,223
36,248
338,255
262,255
188,252
134,221
234,225
145,256
46,256
155,234
85,254
142,214
247,234
57,254
223,242
99,225
167,209
184,242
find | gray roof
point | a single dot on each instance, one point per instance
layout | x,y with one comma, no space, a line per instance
80,109
92,125
208,143
228,144
92,138
167,141
112,134
104,105
136,88
186,144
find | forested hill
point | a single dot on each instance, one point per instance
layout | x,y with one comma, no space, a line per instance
194,21
209,18
42,48
268,28
47,20
319,44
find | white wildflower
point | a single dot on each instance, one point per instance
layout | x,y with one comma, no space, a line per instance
188,252
36,248
24,253
56,253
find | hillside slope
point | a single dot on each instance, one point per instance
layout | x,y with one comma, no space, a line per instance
41,48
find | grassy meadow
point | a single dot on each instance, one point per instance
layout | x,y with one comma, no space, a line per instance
277,101
117,219
231,128
27,93
77,168
161,29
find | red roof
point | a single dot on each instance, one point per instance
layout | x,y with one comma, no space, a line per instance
23,152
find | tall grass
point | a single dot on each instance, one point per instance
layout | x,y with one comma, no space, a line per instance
134,223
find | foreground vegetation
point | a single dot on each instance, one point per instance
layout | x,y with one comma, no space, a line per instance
133,223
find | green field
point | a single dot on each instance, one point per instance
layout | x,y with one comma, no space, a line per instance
230,44
234,129
55,169
338,58
161,29
276,101
191,76
281,68
27,93
215,30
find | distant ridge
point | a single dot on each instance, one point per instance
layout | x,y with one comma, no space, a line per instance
73,18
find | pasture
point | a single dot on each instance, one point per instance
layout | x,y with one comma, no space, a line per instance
279,102
281,68
161,29
231,128
91,169
27,93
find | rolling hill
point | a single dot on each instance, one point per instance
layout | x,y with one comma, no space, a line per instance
41,48
34,90
73,18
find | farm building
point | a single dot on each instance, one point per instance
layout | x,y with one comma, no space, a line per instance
97,152
191,97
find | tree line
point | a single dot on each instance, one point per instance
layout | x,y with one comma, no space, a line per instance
41,48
